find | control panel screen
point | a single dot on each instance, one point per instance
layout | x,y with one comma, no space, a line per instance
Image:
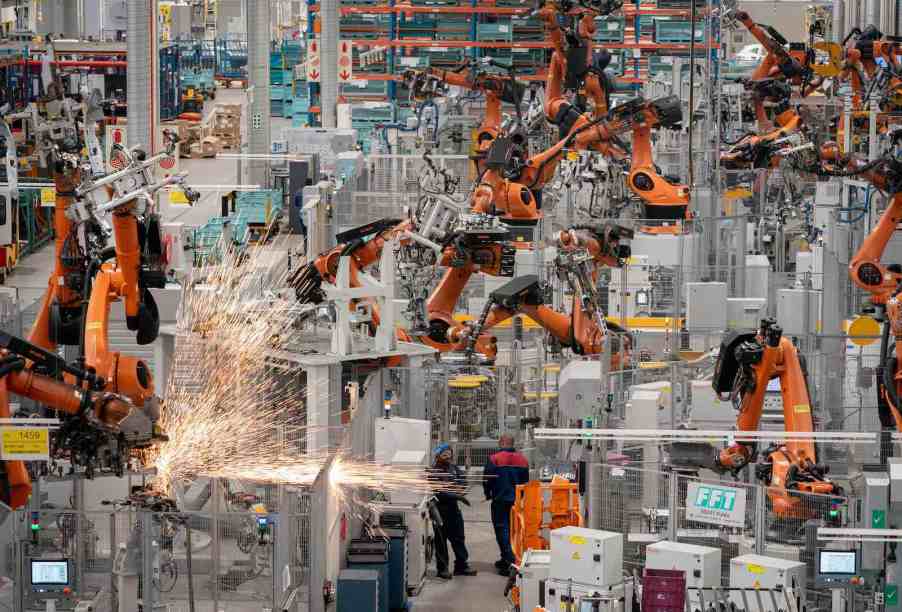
837,562
50,572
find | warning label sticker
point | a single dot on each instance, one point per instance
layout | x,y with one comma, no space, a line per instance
25,443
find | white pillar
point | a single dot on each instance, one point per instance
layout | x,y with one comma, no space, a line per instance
259,135
318,407
143,75
839,20
329,61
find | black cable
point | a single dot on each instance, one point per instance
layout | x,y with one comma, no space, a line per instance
820,171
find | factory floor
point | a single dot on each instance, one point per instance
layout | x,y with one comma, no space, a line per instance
484,592
481,593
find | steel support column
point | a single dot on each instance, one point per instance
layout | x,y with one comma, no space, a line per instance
872,13
259,135
143,86
329,62
839,20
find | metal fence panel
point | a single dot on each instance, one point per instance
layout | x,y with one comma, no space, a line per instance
231,564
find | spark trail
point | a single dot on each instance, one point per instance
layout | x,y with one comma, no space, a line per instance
235,416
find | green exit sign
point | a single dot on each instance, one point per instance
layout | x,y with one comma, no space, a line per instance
891,595
878,519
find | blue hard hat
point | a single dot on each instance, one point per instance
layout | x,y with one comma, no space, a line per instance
438,450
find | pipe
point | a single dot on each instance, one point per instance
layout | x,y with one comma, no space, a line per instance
839,20
80,63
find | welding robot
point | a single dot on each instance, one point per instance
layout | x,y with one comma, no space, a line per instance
747,362
497,88
90,411
584,250
793,67
574,65
476,243
882,281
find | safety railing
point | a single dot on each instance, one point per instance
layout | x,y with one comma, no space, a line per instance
648,506
235,557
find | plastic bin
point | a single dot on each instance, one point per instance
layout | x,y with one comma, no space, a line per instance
663,591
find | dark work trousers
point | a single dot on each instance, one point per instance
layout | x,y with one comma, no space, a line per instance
501,521
452,531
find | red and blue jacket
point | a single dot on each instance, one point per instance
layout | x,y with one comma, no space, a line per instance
503,472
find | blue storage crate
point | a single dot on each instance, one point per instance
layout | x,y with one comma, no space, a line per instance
677,31
527,29
618,62
494,32
231,58
647,25
610,29
293,50
367,89
254,207
663,63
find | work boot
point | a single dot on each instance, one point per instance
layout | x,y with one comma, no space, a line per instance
444,574
464,571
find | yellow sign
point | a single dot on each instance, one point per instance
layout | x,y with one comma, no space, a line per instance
754,569
25,443
578,540
834,59
801,408
48,196
864,331
576,556
177,196
572,155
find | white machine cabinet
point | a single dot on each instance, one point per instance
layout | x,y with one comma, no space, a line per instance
400,441
534,568
701,564
757,571
588,556
400,434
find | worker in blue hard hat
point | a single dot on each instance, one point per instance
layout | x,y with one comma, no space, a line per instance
450,489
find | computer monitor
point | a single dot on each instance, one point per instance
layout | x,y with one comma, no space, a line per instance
838,562
50,572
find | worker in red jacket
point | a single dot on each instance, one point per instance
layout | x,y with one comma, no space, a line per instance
503,472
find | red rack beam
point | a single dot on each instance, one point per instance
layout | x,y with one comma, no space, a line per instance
460,44
81,63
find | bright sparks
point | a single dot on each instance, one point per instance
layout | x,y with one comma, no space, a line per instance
229,412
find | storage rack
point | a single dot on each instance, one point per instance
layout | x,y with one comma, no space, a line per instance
442,33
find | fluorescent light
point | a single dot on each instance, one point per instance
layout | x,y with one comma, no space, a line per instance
690,435
859,535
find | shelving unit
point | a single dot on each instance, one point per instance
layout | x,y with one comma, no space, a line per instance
442,33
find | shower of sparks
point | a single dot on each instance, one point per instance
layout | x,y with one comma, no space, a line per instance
237,416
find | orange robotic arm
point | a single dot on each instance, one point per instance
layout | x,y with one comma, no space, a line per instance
890,387
778,60
762,151
497,89
866,269
124,374
745,366
102,410
59,319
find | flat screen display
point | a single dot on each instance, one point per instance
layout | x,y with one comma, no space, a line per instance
50,572
837,562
